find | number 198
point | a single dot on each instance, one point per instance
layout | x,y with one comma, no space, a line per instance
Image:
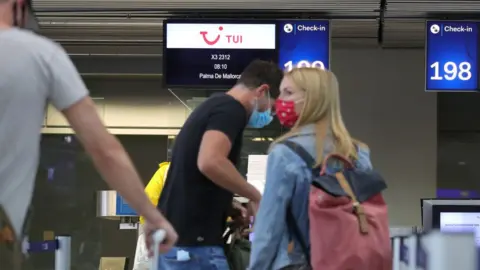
451,71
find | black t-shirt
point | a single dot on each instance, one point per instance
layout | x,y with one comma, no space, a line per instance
195,206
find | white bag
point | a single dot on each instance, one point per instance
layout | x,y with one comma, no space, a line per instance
142,261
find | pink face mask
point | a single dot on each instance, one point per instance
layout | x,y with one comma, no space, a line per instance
285,110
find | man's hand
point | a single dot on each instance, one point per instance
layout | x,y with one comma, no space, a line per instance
240,215
252,208
238,206
170,236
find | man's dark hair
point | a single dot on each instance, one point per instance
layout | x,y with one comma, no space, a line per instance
260,72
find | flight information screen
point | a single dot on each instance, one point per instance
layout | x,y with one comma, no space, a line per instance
214,53
452,56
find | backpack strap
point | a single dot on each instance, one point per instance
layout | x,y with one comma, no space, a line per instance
301,152
357,207
291,222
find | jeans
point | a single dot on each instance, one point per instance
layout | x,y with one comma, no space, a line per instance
198,258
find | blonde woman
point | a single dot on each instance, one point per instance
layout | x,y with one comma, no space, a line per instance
309,104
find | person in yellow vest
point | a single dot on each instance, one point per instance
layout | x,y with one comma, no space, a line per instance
155,186
153,190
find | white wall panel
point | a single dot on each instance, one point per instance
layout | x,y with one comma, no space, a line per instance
54,118
126,109
143,113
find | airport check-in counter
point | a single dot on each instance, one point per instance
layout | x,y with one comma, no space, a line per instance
111,206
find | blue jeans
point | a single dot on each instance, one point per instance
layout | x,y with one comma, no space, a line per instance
198,258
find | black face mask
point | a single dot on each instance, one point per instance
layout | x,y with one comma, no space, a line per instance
28,19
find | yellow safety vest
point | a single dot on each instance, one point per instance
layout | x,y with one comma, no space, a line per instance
155,186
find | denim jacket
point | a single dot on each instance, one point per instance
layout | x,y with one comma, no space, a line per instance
284,171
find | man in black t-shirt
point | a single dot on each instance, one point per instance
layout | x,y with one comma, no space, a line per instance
202,178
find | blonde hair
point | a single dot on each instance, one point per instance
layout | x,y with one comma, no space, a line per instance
322,108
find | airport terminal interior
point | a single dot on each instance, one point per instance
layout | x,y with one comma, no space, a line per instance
408,74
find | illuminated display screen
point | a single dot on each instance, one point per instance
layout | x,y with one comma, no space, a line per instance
461,222
214,53
452,56
304,43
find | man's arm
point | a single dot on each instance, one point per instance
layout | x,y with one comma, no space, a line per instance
69,95
213,159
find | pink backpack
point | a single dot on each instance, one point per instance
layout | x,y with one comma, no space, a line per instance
349,227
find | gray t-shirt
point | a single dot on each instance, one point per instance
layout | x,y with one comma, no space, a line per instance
33,71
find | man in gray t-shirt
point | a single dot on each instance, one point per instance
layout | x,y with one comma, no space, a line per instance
33,71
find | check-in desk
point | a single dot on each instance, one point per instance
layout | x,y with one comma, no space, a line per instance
110,205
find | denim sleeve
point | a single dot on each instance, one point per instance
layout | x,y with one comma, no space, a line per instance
364,162
270,226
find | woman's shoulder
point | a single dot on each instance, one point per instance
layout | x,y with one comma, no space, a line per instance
362,146
285,147
364,161
280,151
290,159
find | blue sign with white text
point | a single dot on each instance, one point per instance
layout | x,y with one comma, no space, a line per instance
123,209
452,56
303,43
43,246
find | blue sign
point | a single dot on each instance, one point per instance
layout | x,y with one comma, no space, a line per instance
43,246
123,209
404,254
452,56
457,194
304,43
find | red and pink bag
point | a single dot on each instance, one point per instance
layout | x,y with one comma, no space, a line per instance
348,217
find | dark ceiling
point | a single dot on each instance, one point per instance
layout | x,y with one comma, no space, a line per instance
135,26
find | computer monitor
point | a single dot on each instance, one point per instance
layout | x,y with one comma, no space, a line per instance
451,215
